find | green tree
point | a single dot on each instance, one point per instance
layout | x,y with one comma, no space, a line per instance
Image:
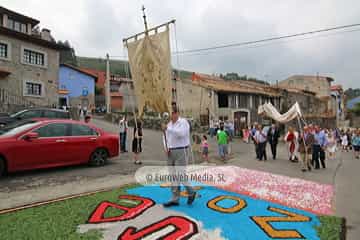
352,93
67,54
356,109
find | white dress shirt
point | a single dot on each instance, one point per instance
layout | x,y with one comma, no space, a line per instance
123,126
260,136
178,134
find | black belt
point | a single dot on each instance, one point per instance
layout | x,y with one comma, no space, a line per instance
178,148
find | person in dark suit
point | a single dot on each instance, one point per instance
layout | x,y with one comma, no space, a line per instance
273,138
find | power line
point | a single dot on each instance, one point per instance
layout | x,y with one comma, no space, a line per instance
271,43
199,50
267,39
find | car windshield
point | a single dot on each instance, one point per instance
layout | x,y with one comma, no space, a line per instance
17,114
15,125
19,129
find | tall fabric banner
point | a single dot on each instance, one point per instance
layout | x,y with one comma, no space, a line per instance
150,66
269,110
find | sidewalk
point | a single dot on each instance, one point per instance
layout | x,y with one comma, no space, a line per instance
347,190
20,198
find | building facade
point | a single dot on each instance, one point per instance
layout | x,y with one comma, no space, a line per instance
76,87
320,85
205,97
29,59
121,91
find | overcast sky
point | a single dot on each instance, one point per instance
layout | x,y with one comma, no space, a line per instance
95,28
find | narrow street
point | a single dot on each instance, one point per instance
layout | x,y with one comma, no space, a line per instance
32,186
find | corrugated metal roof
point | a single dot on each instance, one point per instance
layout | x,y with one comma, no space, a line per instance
218,84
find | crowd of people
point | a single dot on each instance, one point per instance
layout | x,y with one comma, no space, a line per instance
311,146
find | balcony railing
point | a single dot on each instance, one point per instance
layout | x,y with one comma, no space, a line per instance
6,97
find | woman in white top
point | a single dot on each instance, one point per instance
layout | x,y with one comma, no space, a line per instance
344,142
331,146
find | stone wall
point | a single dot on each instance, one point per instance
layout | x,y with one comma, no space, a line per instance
309,103
47,75
318,84
354,120
151,122
194,100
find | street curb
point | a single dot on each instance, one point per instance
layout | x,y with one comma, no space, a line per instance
343,229
68,197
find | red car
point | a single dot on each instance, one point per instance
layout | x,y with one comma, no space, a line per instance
52,143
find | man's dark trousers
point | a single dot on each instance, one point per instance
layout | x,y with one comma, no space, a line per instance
262,151
318,152
123,141
273,146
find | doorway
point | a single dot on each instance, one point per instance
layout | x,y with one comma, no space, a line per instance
62,101
240,121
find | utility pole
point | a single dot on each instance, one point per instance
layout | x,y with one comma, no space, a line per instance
107,85
145,22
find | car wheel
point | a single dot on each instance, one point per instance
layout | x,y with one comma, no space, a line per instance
2,167
99,157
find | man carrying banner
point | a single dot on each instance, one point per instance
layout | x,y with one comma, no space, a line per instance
177,143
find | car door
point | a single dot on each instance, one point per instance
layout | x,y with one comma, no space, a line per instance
51,144
82,142
45,151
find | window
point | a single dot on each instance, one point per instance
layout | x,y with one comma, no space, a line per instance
33,57
256,101
65,115
232,102
82,130
30,114
33,89
223,100
223,118
17,26
10,23
50,114
3,50
19,129
244,101
56,114
54,130
23,28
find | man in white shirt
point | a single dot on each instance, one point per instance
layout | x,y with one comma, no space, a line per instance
261,139
177,133
123,126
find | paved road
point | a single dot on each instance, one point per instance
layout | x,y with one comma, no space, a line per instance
25,187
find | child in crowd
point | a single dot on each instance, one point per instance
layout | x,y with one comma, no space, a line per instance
344,142
205,149
246,134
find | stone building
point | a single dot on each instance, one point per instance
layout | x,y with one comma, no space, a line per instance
320,85
124,89
323,89
206,97
29,59
203,97
338,97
